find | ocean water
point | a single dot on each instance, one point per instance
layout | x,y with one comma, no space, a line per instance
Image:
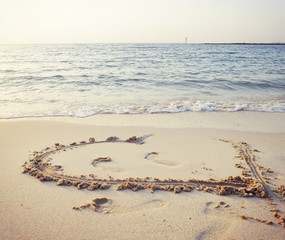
87,79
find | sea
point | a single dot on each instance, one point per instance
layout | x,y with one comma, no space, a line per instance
82,80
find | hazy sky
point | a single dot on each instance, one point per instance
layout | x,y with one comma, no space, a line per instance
121,21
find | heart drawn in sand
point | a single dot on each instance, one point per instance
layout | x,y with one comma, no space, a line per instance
40,166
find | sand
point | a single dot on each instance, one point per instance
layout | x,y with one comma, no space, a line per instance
184,176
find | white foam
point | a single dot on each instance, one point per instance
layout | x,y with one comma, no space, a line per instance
176,107
86,110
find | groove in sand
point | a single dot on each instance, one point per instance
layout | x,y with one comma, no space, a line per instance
40,167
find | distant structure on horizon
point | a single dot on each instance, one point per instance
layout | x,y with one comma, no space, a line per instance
186,40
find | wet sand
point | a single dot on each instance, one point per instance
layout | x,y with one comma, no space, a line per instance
125,179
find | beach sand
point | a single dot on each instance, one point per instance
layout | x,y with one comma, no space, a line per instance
177,153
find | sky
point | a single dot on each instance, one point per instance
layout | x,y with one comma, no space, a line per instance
141,21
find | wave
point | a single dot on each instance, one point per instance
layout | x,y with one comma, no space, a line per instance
177,107
86,110
84,80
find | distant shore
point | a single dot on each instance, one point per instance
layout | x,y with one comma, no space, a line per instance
244,43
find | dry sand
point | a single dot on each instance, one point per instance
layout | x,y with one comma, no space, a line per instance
181,151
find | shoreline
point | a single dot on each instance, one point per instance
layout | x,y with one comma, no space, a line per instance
176,146
237,121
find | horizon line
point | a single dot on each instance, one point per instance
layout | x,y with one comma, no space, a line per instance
183,43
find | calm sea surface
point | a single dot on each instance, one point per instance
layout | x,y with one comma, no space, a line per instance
87,79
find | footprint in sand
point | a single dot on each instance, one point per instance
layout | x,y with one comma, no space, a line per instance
208,205
154,157
99,205
97,163
211,206
106,206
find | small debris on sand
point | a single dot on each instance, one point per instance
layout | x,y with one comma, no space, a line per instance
281,190
243,217
112,139
91,140
280,218
135,139
274,210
